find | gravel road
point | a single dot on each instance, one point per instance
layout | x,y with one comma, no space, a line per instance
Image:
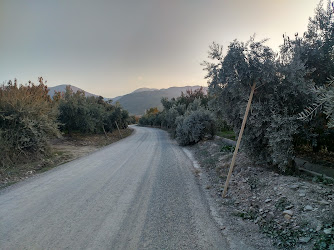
138,193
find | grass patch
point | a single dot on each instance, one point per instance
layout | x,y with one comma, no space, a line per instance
246,215
321,179
209,162
227,149
229,134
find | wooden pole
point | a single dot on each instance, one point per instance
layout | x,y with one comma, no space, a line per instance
118,130
104,131
239,140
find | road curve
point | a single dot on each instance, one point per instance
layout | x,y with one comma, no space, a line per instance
138,193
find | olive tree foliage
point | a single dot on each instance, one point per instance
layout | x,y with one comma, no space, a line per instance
179,106
115,115
316,44
194,126
187,117
88,114
151,117
281,93
28,119
327,98
315,49
170,117
324,102
75,112
196,123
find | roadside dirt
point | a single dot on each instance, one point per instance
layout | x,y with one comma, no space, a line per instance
62,150
265,209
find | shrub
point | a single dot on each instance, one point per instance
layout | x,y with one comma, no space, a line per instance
186,117
171,116
192,127
27,120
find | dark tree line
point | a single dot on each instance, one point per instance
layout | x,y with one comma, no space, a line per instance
88,114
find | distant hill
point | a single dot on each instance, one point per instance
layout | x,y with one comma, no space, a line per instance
138,102
62,88
115,99
144,89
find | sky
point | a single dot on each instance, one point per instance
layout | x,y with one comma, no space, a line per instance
113,47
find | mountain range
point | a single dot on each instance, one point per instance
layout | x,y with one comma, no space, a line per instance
62,88
138,101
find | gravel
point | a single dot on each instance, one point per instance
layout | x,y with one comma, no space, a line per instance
138,193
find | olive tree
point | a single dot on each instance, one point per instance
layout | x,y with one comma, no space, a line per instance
272,123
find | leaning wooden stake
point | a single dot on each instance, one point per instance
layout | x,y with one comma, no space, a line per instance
118,130
239,140
105,132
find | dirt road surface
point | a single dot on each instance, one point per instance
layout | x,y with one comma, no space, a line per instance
138,193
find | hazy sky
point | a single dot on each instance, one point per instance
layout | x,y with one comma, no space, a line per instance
113,47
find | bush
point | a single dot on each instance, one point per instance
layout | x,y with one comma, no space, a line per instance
187,117
192,127
27,121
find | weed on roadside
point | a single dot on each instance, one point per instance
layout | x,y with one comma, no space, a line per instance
227,148
324,239
322,180
288,237
284,238
246,215
253,182
282,203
